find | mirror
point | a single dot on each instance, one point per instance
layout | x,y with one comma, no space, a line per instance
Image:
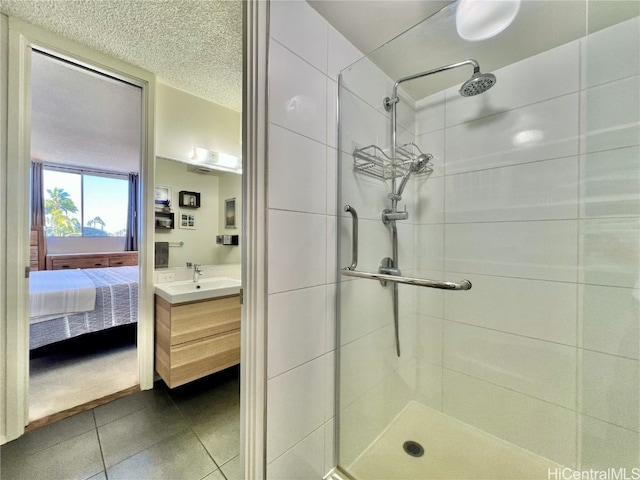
187,227
192,236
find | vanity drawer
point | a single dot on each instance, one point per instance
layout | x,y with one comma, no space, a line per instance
196,359
196,320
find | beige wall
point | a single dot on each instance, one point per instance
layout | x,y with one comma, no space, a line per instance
184,121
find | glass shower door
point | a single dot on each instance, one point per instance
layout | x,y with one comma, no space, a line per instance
535,199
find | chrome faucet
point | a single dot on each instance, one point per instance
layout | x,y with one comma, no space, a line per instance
197,271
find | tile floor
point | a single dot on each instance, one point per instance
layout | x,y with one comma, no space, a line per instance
191,432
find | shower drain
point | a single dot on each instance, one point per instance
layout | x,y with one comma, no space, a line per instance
413,448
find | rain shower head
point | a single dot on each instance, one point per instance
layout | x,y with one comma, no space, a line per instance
477,84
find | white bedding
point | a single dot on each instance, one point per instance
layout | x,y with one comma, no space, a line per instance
53,293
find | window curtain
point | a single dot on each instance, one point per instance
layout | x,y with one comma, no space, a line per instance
37,195
131,243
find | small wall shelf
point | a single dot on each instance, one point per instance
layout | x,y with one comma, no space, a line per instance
189,199
164,220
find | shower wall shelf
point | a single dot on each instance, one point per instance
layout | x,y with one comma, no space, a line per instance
374,162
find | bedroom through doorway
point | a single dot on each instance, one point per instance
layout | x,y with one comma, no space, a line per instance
86,150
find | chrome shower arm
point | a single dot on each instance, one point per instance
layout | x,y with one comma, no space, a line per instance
389,101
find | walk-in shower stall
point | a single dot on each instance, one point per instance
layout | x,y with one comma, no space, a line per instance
489,248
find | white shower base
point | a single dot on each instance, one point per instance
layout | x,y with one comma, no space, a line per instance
453,450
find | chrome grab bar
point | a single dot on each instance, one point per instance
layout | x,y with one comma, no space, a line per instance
354,242
387,274
419,282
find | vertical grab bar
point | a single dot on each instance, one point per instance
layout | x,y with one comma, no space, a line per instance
354,244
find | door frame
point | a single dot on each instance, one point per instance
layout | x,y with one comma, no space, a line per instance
253,378
21,38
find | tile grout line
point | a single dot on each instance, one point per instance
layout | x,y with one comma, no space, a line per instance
95,423
190,423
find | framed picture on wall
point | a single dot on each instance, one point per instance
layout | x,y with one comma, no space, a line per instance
162,196
230,213
187,220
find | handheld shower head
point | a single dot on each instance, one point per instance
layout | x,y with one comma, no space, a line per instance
420,164
477,84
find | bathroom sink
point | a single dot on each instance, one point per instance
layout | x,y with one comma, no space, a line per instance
189,291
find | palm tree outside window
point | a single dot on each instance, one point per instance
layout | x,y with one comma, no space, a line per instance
84,203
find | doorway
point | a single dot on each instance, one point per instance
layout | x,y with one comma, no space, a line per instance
105,248
86,148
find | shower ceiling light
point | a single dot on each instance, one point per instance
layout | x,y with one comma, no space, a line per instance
481,19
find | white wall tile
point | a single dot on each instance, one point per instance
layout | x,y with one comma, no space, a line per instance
363,363
429,333
433,143
332,114
361,124
534,191
522,83
533,308
610,183
330,320
301,29
609,319
297,250
600,65
296,332
429,200
370,251
405,116
296,407
304,461
369,82
540,369
537,250
332,225
330,460
610,122
610,251
330,390
429,247
607,446
538,426
429,385
364,420
406,247
430,114
297,94
535,132
341,53
297,172
332,181
610,389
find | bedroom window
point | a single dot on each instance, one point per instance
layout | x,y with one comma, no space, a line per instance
84,203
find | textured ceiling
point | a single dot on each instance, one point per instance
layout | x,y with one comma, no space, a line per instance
192,45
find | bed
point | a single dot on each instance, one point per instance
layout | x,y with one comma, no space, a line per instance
68,303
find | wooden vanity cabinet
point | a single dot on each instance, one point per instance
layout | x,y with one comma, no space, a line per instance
196,339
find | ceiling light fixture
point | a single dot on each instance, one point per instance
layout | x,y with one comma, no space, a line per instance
216,160
481,19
